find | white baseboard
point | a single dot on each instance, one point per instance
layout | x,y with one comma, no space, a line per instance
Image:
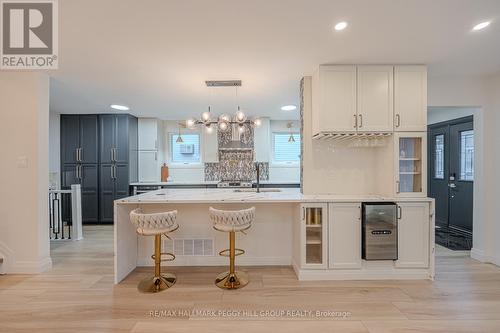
30,267
221,261
480,256
362,274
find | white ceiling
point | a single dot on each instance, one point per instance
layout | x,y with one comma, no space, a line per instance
154,56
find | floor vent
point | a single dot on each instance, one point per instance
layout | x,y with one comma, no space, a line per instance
189,247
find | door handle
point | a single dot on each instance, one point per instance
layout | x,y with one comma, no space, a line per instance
112,158
398,187
360,120
399,213
114,171
114,154
452,185
355,121
77,151
398,120
156,156
80,155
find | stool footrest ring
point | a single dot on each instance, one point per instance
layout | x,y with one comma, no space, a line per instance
171,256
225,253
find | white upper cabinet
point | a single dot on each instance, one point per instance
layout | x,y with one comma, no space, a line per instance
371,98
410,98
148,133
262,141
375,98
334,99
210,146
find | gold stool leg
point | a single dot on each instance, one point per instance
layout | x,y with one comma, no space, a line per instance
158,282
232,279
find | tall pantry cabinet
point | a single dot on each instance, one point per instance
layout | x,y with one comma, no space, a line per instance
100,153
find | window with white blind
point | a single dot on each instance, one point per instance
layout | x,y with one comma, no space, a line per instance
286,148
187,151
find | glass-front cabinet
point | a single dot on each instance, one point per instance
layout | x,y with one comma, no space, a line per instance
314,221
411,167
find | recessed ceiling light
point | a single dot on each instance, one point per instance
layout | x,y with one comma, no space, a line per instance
481,25
340,26
288,107
119,107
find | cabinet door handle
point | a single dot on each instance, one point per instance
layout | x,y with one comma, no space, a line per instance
399,213
355,121
303,215
77,172
156,156
398,186
80,155
76,154
114,171
156,144
111,151
360,120
398,120
111,172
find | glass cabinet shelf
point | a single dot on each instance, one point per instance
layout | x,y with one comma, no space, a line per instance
410,163
314,235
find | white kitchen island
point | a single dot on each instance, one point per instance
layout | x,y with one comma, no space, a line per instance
275,237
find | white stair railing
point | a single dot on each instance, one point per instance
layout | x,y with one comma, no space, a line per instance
57,226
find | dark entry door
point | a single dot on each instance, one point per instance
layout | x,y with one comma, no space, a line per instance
461,175
451,172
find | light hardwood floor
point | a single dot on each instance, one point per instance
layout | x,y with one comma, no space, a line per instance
78,295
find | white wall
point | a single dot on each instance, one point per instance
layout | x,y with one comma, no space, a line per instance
54,149
484,94
439,114
491,167
24,139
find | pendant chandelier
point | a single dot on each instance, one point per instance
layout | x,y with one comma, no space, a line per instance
223,122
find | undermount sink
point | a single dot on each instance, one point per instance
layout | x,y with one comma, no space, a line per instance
254,190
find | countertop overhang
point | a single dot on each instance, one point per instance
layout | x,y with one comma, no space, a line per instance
290,195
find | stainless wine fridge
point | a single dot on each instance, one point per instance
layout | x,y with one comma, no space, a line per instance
380,231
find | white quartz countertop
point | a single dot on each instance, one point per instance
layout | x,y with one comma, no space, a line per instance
230,196
207,182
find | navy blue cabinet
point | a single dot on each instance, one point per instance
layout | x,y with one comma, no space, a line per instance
79,161
118,164
100,153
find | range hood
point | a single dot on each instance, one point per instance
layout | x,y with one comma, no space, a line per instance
235,143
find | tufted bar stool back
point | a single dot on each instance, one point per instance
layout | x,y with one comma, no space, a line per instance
156,224
232,221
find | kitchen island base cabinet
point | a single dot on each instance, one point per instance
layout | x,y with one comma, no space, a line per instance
344,232
413,235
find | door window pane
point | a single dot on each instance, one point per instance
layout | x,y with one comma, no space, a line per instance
439,156
467,155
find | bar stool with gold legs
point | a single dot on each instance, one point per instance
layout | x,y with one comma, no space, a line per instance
232,222
156,224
